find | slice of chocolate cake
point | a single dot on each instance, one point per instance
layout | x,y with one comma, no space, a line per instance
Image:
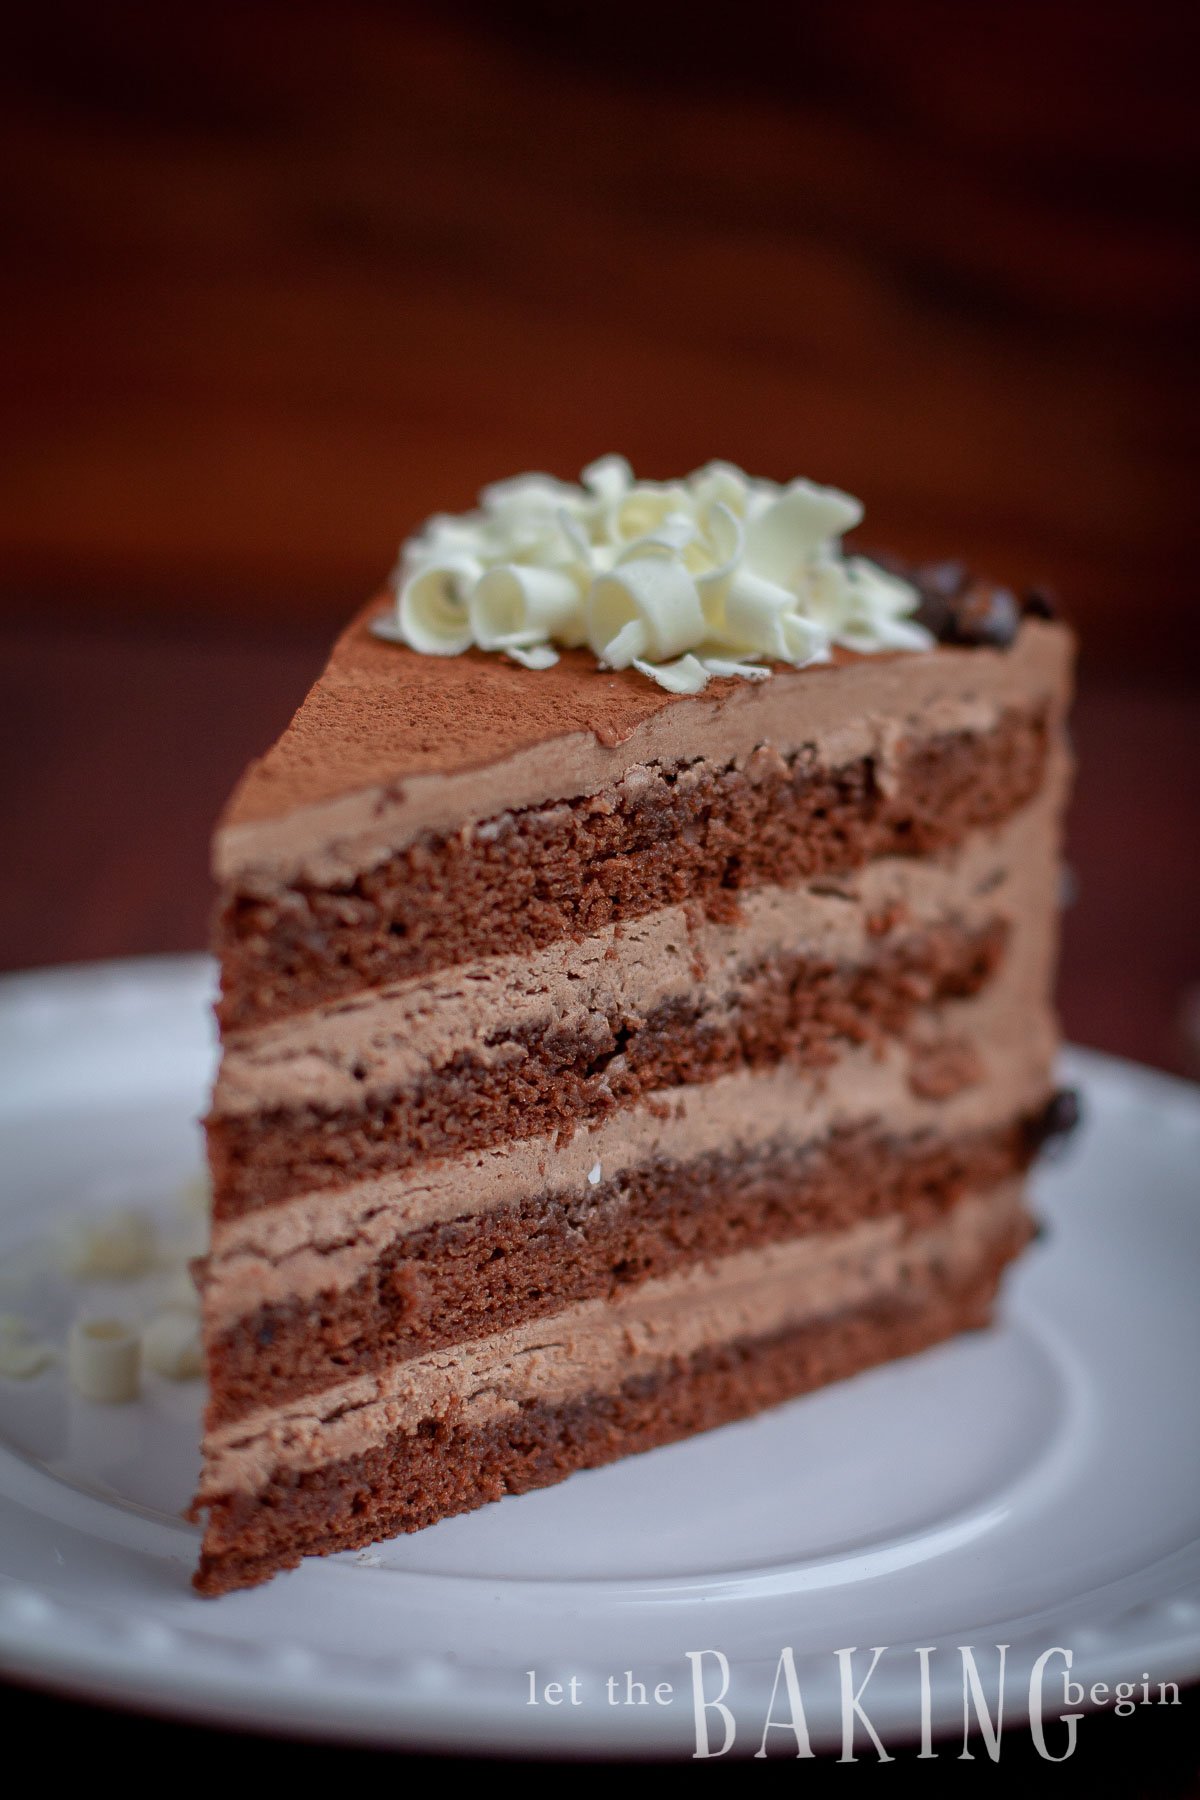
635,1002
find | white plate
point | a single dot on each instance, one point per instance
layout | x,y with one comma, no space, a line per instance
1035,1486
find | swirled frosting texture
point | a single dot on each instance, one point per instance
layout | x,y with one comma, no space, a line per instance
716,574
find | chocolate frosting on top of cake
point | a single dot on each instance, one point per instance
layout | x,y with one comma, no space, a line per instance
382,706
383,713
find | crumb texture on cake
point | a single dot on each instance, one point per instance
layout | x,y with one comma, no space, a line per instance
601,1064
450,1283
412,1477
697,834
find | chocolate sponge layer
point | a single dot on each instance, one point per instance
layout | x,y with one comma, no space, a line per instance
470,1277
697,832
537,1081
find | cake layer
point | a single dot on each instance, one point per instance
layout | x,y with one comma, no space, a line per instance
600,1381
698,832
473,1276
553,1075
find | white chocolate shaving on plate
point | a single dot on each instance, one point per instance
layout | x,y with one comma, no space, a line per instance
117,1246
23,1358
171,1346
103,1360
195,1196
181,1247
180,1293
21,1355
717,574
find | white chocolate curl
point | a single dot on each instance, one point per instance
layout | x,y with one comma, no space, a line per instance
117,1246
171,1346
647,609
434,616
717,575
517,605
180,1293
195,1196
103,1358
22,1356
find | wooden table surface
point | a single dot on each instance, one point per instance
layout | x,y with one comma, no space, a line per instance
280,280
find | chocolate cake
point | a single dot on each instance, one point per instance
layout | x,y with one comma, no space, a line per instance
634,1013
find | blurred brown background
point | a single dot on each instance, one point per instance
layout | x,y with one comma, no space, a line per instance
281,279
